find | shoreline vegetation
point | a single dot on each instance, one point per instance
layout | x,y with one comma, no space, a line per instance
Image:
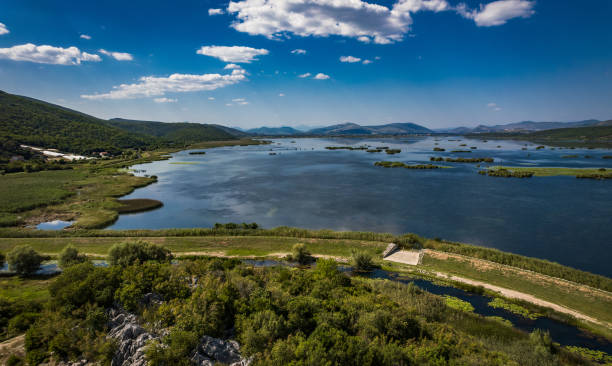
398,164
87,193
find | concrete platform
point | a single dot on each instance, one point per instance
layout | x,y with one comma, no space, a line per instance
412,257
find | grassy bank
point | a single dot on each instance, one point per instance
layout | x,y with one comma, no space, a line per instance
554,171
87,193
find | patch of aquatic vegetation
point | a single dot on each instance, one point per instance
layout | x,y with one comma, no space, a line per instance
399,164
197,152
523,172
346,148
607,157
461,151
184,162
462,160
498,303
592,355
500,320
393,151
458,304
438,149
374,150
569,156
505,173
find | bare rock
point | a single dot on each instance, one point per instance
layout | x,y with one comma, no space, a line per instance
391,248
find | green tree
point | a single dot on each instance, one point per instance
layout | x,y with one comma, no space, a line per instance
129,253
70,256
300,254
24,260
362,261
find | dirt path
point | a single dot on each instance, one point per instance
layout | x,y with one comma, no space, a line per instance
522,296
14,346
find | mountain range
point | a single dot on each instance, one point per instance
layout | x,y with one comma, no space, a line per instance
525,126
345,129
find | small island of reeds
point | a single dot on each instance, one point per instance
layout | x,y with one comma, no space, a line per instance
345,148
582,173
393,151
137,205
197,152
399,164
438,149
462,160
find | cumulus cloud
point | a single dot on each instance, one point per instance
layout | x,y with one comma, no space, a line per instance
321,76
215,11
85,36
349,59
299,51
119,56
152,86
47,54
3,29
367,62
165,100
240,101
232,67
367,22
211,98
498,12
304,75
234,54
281,94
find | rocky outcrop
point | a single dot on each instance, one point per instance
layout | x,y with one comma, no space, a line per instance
211,350
131,339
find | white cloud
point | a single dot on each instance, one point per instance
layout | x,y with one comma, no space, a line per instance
228,104
281,94
321,76
235,54
85,36
367,62
165,100
119,56
3,29
367,22
240,101
349,59
299,51
47,54
151,86
211,98
304,75
215,11
494,107
498,12
232,67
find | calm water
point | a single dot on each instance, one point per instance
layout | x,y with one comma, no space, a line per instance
562,219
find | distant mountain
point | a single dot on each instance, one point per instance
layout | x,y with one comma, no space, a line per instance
600,131
274,131
29,121
525,126
355,129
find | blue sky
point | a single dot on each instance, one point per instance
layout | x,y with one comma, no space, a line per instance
439,63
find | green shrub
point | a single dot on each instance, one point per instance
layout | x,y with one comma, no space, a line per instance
128,253
300,254
70,256
24,260
361,261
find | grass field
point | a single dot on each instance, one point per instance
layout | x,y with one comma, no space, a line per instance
27,289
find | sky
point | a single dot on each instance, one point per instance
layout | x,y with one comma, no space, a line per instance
251,63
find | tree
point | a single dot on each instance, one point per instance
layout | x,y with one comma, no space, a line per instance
70,256
362,261
129,253
24,260
300,254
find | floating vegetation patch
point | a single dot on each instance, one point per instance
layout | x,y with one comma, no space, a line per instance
438,149
591,355
393,151
540,147
607,157
498,303
345,148
603,174
458,304
463,145
197,152
462,160
505,173
569,156
373,150
399,164
461,151
382,147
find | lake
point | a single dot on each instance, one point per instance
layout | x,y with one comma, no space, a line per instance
562,219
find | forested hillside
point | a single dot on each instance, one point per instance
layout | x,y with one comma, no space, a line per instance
33,122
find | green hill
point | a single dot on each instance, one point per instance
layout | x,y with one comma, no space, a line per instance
601,132
29,121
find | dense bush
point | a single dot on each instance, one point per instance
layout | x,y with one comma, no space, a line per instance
128,253
300,254
361,261
24,260
70,256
